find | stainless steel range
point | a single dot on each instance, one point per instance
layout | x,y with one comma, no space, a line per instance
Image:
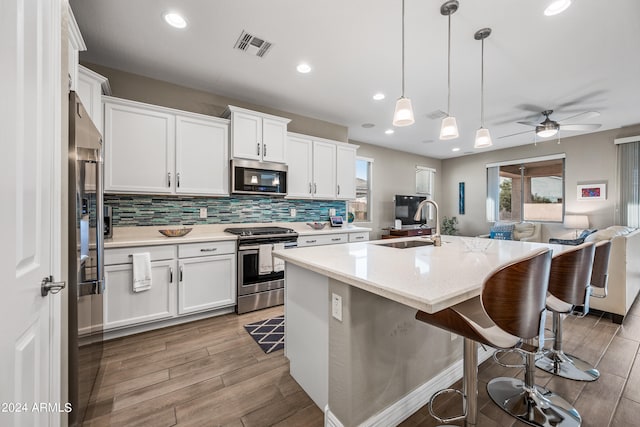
260,286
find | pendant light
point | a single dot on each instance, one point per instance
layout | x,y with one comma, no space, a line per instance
449,127
483,137
403,116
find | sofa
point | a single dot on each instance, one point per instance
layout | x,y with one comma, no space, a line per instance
624,270
522,231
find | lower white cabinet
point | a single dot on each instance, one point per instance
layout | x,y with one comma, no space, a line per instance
185,279
123,307
206,282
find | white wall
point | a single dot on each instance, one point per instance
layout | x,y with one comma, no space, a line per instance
394,172
590,159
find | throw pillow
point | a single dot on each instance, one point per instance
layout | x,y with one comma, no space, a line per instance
500,235
572,242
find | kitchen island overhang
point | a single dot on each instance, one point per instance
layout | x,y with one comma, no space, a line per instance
378,361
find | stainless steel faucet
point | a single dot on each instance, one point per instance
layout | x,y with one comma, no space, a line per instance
437,240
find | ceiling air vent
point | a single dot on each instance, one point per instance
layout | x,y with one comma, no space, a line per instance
435,115
252,45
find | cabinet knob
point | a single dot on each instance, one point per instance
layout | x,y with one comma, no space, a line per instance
178,180
338,188
180,278
258,145
168,179
170,274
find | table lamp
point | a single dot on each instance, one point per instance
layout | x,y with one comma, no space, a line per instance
577,222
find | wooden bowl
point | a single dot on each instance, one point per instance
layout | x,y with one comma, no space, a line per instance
175,232
317,225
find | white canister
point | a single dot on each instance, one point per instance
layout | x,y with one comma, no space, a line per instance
398,225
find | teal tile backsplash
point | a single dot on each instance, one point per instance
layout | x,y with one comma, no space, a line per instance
137,210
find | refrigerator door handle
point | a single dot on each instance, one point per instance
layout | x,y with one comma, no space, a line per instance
100,218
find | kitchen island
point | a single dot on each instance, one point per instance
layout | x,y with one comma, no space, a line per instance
351,337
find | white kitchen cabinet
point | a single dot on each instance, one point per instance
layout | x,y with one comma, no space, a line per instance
139,148
324,170
75,45
90,87
207,276
202,158
123,307
323,239
300,164
361,236
257,136
345,172
320,168
157,150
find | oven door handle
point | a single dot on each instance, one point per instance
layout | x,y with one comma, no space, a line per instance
256,247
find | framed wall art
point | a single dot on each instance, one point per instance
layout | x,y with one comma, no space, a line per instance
592,192
461,198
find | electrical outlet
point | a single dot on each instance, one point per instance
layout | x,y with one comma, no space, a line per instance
336,306
332,212
292,212
203,213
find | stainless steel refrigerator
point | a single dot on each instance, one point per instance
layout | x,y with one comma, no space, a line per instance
86,253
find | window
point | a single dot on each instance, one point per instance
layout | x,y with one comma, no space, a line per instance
526,190
629,179
425,178
361,206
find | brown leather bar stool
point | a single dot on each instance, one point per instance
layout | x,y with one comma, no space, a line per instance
574,276
509,313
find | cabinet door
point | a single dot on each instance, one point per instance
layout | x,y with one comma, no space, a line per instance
89,88
324,170
123,307
274,138
345,172
139,149
206,283
300,164
246,136
202,161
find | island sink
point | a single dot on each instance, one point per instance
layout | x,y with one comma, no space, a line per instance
406,244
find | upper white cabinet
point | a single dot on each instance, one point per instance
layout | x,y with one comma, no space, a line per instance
346,172
320,168
257,136
90,87
75,46
157,150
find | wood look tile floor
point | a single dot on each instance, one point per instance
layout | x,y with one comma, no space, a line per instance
211,373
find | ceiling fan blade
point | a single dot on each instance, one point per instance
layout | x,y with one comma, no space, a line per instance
582,116
580,127
514,134
529,123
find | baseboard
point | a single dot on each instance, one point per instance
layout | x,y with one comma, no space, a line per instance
409,404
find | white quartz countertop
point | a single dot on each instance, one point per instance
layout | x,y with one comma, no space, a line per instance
427,278
150,236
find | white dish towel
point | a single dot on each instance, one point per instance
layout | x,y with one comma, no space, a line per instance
265,262
141,272
278,264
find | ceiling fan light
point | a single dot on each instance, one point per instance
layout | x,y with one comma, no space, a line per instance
483,138
556,7
403,116
546,132
449,128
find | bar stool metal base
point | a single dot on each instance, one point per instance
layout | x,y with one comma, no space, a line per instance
537,406
567,366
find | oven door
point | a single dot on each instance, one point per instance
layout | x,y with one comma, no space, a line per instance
249,279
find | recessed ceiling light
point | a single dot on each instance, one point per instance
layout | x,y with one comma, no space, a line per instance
455,149
303,68
175,20
378,96
556,7
389,131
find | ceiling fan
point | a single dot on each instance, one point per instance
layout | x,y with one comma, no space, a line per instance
548,127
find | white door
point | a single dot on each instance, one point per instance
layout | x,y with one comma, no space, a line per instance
30,114
274,139
246,136
346,172
206,283
202,159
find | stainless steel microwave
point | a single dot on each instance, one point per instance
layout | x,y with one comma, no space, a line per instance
253,177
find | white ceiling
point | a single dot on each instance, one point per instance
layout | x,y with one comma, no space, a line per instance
586,59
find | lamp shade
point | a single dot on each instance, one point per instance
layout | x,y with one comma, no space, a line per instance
449,128
576,221
403,115
483,138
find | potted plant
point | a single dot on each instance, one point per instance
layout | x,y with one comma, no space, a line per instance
449,226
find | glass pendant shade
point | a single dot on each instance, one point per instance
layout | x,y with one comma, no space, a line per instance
403,116
543,132
449,128
483,138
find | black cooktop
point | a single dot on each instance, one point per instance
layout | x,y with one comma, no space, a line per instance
259,231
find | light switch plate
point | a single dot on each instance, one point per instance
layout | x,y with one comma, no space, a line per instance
203,213
336,306
292,211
